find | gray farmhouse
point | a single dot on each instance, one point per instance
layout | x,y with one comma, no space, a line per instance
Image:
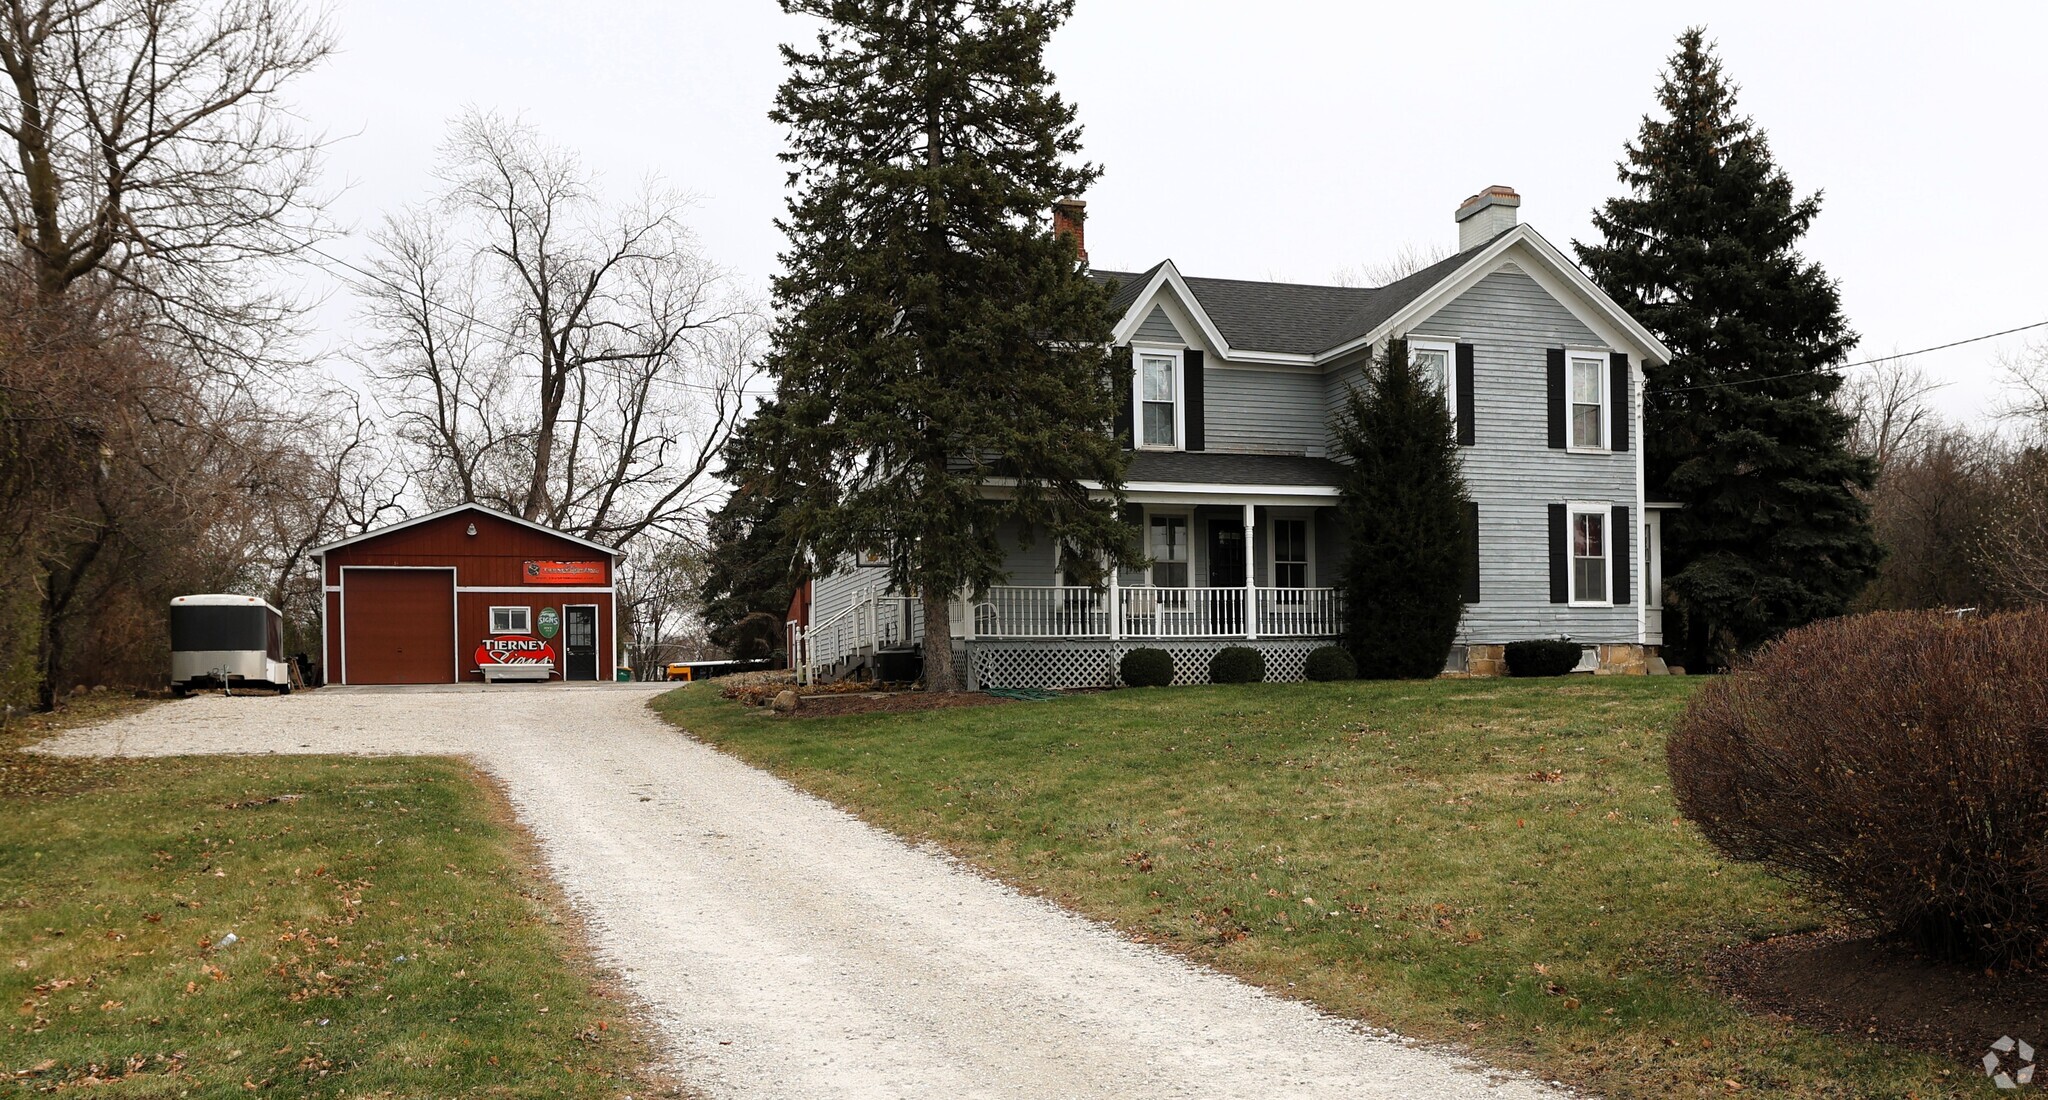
1232,387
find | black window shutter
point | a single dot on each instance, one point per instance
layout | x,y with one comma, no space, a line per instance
1560,583
1618,364
1624,568
1198,435
1471,594
1556,388
1125,412
1466,420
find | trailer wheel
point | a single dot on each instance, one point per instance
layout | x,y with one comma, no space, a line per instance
284,688
180,691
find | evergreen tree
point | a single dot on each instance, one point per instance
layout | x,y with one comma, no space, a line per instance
934,335
1403,518
754,564
1740,428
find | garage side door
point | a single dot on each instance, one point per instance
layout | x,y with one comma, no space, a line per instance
398,626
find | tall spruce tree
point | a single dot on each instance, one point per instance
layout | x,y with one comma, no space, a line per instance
1406,535
1740,428
754,563
934,334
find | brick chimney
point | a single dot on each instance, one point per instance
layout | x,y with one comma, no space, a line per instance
1486,215
1069,219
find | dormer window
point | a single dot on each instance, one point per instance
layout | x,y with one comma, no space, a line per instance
1159,398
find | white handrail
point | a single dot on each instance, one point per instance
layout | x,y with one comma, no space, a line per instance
858,625
1052,611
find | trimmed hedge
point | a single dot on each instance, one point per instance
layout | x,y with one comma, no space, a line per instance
1894,765
1331,662
1146,668
1237,665
1543,657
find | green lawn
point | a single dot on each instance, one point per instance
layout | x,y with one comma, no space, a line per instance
1492,863
392,937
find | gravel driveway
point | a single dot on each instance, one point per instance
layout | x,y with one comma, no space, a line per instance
788,950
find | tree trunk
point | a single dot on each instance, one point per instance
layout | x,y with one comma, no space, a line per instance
939,672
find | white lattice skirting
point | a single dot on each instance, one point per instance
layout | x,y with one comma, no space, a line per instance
1094,664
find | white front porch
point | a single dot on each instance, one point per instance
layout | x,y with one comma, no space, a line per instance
1147,612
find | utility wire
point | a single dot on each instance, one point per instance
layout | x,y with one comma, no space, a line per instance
1849,366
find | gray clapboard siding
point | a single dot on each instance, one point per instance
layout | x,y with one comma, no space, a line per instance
1032,564
1159,327
1268,411
831,595
1512,472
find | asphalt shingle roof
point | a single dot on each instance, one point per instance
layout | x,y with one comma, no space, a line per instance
1218,468
1299,318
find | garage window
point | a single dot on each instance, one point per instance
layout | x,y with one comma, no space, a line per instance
511,620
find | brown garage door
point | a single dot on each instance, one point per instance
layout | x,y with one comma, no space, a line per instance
398,626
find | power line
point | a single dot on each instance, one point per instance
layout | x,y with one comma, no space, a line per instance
1858,363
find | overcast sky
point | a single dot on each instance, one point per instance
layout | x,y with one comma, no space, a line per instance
1289,139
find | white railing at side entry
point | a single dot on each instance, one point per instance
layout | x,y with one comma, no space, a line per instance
862,625
1047,611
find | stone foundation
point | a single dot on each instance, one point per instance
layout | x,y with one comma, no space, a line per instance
1610,660
1486,660
1622,660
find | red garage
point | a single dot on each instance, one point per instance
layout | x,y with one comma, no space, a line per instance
466,594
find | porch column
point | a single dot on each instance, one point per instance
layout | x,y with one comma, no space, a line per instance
1116,605
966,627
1251,576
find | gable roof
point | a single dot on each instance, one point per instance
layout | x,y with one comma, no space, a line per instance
1312,323
493,512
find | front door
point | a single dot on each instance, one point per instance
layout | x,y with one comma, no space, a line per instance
1226,570
579,646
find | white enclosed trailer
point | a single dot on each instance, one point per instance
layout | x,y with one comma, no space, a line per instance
227,641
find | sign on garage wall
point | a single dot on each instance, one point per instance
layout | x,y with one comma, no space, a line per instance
564,572
514,650
549,622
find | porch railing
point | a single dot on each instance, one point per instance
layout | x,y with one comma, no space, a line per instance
1045,611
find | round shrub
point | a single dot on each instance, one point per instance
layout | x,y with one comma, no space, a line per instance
1330,662
1893,764
1543,657
1146,668
1237,665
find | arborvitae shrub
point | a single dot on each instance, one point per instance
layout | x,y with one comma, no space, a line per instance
1330,662
1543,657
1894,765
1146,668
1237,665
1402,520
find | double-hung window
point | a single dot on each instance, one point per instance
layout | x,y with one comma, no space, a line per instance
1432,362
1290,553
1169,551
1587,397
511,620
1159,398
1589,542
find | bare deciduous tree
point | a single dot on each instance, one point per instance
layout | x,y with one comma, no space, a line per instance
2025,403
2015,546
154,155
1887,407
156,182
571,361
1406,260
658,599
